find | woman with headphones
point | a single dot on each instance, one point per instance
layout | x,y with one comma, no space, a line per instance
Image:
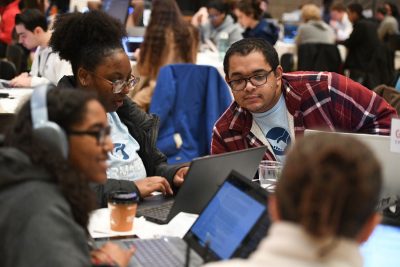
57,146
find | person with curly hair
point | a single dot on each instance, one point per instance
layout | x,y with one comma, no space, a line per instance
45,198
168,39
92,42
323,207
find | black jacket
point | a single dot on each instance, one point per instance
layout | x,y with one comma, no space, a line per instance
144,128
367,56
361,44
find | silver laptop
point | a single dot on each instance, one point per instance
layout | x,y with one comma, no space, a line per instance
390,161
201,182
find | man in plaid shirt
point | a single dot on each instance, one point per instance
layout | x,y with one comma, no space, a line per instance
272,108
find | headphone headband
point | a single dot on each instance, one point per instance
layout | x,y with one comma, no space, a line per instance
47,132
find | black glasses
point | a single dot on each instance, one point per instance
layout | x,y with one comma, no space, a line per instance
255,80
119,85
100,135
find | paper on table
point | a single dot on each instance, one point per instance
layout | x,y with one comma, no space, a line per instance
99,226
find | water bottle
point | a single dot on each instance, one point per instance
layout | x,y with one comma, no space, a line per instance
223,44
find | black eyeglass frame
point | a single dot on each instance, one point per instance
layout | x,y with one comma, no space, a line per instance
100,134
249,79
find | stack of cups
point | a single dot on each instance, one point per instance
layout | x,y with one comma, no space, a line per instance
122,207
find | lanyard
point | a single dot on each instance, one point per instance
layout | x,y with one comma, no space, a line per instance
41,69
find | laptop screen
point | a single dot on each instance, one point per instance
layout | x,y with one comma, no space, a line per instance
227,220
117,9
132,43
289,32
382,248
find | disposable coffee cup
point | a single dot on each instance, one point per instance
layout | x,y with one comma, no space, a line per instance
269,173
122,206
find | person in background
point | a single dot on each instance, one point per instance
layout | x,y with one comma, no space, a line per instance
8,10
323,207
264,5
92,42
45,197
314,29
340,21
273,108
362,45
135,19
392,10
29,4
168,40
220,21
248,13
388,24
47,67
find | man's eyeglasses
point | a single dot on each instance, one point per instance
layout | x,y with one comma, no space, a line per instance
256,80
119,85
100,135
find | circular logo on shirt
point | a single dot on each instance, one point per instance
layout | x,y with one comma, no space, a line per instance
279,139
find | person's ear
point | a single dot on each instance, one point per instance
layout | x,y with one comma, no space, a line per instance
278,72
84,77
226,79
368,227
37,30
273,208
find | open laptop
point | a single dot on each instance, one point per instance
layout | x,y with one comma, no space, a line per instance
117,9
130,44
201,182
290,32
4,84
389,160
382,248
231,225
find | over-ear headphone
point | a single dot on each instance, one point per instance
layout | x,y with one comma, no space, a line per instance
47,132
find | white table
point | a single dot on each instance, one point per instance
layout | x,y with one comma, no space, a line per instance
99,226
16,97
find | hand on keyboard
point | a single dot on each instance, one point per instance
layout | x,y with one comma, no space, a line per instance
151,184
112,254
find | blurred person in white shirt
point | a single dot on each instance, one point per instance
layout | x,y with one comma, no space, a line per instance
47,67
340,22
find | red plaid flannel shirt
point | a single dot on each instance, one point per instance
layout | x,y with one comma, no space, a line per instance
316,100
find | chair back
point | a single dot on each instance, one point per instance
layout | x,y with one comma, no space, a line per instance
393,42
390,94
319,57
7,70
15,54
287,62
189,99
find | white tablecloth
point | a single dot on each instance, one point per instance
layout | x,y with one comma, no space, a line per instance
16,97
99,226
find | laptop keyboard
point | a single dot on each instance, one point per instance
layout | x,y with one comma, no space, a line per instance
155,252
159,212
